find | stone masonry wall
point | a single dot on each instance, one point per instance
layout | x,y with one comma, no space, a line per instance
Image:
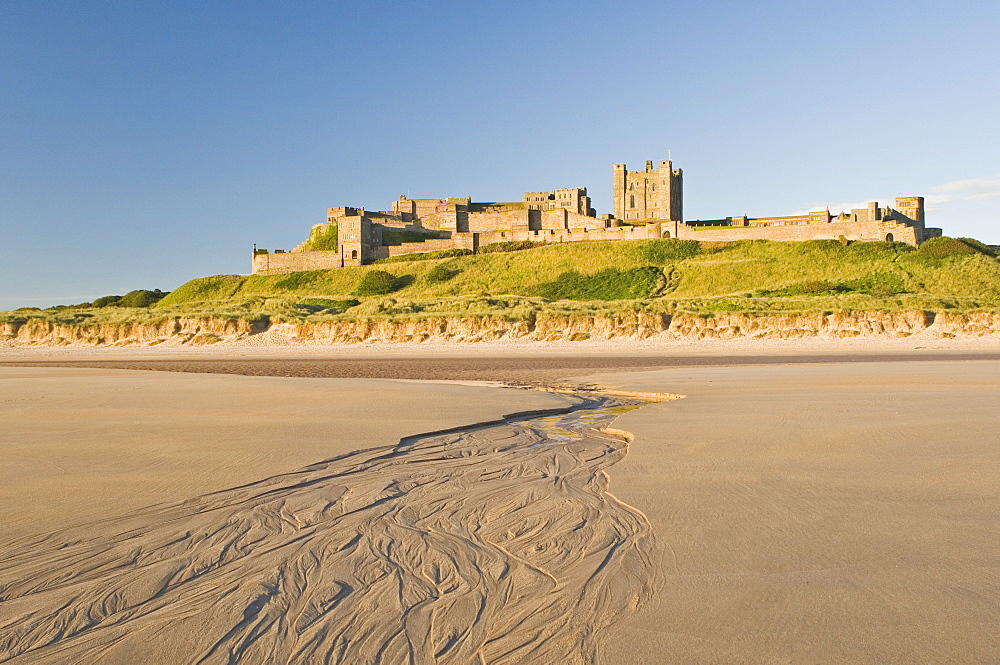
272,264
485,222
458,241
267,264
574,235
831,231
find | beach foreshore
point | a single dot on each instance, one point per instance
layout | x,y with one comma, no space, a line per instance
817,513
808,502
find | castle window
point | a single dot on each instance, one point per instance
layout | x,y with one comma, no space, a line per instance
354,254
631,201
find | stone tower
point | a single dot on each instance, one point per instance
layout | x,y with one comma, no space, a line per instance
358,239
650,194
912,207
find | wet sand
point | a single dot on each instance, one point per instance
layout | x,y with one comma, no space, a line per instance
806,510
88,444
497,544
529,368
817,514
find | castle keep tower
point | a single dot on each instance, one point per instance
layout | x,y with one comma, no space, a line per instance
649,194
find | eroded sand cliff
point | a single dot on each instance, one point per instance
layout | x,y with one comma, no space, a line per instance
632,325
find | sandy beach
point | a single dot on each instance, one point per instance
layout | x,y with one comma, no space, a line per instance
843,513
808,505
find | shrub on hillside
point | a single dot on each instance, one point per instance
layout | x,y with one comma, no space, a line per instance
979,246
377,283
608,284
944,247
106,301
141,298
668,250
442,272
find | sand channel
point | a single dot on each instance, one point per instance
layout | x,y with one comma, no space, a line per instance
493,544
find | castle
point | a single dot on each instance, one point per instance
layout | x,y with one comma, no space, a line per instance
647,204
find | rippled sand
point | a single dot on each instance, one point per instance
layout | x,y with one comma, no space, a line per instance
789,510
496,545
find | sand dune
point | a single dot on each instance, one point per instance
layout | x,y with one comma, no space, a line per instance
496,545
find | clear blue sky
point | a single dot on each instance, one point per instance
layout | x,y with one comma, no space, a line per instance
146,143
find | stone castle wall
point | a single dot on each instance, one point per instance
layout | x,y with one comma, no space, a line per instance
574,235
273,264
458,241
648,204
887,230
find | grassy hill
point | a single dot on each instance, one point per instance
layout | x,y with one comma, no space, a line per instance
602,277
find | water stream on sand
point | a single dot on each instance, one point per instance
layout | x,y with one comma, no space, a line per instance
497,544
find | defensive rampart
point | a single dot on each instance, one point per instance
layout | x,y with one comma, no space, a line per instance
831,231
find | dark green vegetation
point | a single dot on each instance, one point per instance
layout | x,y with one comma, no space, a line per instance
323,238
378,283
607,284
879,284
442,272
651,275
944,247
141,298
137,298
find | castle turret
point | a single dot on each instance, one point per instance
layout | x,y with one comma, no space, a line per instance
650,194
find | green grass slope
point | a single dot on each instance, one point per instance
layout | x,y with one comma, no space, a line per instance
604,277
751,275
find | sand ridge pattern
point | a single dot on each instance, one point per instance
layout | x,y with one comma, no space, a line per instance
494,545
